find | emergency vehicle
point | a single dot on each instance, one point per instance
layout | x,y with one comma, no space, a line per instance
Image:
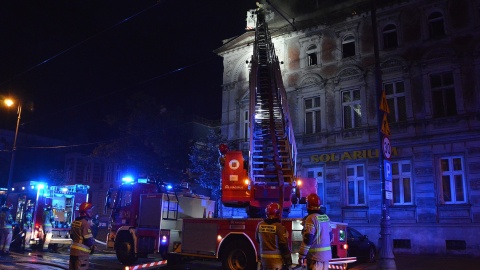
153,218
29,200
147,218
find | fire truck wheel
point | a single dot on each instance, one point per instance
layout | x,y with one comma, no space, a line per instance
239,255
124,249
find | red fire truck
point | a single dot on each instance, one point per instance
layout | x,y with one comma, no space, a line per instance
146,217
29,200
149,217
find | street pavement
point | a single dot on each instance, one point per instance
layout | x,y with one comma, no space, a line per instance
402,262
424,262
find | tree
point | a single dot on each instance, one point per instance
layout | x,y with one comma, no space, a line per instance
204,166
151,140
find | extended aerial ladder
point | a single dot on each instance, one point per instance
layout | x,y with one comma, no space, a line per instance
272,157
272,142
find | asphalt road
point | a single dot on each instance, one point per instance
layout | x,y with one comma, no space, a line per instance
107,260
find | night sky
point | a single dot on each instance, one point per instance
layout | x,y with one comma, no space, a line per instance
79,60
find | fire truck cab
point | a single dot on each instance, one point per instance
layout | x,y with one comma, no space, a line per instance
146,217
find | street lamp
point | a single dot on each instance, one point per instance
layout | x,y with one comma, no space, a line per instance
9,103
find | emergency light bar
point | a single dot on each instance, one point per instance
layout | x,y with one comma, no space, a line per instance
142,180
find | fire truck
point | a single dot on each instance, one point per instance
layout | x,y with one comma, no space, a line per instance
152,218
29,201
147,217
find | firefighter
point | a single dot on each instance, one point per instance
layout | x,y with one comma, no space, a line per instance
27,226
316,235
6,221
272,238
83,241
48,220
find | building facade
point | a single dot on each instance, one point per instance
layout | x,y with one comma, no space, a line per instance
429,57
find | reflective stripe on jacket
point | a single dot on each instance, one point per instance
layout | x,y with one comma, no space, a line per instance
80,247
272,238
318,226
80,234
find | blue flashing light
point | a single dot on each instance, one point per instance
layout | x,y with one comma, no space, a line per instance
40,186
169,187
164,239
127,180
142,180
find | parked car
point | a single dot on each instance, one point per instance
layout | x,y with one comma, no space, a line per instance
359,246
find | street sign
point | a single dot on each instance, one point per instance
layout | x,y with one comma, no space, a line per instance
385,128
386,147
387,169
383,103
388,185
388,195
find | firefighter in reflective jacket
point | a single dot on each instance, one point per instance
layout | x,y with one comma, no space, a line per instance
48,219
317,235
272,238
82,237
6,221
27,226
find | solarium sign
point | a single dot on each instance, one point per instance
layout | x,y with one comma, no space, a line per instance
349,155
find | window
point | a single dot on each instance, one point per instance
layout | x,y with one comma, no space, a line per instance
395,92
86,177
348,46
312,55
436,28
108,173
402,182
246,124
352,114
443,94
126,198
317,173
453,180
356,184
312,115
390,37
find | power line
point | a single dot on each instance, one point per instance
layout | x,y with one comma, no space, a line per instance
79,43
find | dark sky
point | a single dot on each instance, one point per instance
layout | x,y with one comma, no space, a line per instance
78,60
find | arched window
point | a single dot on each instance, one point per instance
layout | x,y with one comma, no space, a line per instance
390,37
312,55
348,46
436,26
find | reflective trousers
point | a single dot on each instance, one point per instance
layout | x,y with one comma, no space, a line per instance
47,236
316,265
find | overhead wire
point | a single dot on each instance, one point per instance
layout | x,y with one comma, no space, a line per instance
122,89
79,43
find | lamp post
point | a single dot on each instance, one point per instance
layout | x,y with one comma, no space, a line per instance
9,103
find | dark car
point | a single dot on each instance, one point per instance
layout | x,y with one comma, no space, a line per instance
359,246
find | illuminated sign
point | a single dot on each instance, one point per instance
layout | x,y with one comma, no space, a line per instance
349,155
